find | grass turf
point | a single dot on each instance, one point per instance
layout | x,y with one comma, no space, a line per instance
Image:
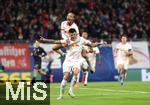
96,93
104,93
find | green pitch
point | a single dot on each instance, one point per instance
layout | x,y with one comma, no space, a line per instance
104,93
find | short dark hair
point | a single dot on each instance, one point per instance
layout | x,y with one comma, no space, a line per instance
72,30
123,35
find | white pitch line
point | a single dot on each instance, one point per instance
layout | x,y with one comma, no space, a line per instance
80,95
99,94
111,90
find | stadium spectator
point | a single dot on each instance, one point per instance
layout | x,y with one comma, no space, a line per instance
108,19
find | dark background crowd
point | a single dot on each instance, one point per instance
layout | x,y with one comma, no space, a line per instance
102,19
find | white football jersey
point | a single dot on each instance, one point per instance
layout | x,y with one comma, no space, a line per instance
74,48
123,51
65,28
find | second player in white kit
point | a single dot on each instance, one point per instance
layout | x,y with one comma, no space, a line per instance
122,53
91,54
67,24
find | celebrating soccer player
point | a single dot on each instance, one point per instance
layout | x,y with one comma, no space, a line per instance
74,45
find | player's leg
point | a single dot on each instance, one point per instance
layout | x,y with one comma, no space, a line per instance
125,69
119,63
43,71
124,74
66,73
84,54
74,80
63,85
77,85
86,74
45,74
49,72
84,66
121,71
35,72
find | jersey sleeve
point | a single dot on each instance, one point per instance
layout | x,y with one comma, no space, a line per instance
63,31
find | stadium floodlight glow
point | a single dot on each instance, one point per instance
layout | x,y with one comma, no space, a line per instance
20,89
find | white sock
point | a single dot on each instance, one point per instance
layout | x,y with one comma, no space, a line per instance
73,82
62,87
86,77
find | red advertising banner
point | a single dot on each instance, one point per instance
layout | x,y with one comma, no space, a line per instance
15,56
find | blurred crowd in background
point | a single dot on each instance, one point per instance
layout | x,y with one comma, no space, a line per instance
102,19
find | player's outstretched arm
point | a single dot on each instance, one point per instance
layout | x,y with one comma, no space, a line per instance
97,44
51,41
